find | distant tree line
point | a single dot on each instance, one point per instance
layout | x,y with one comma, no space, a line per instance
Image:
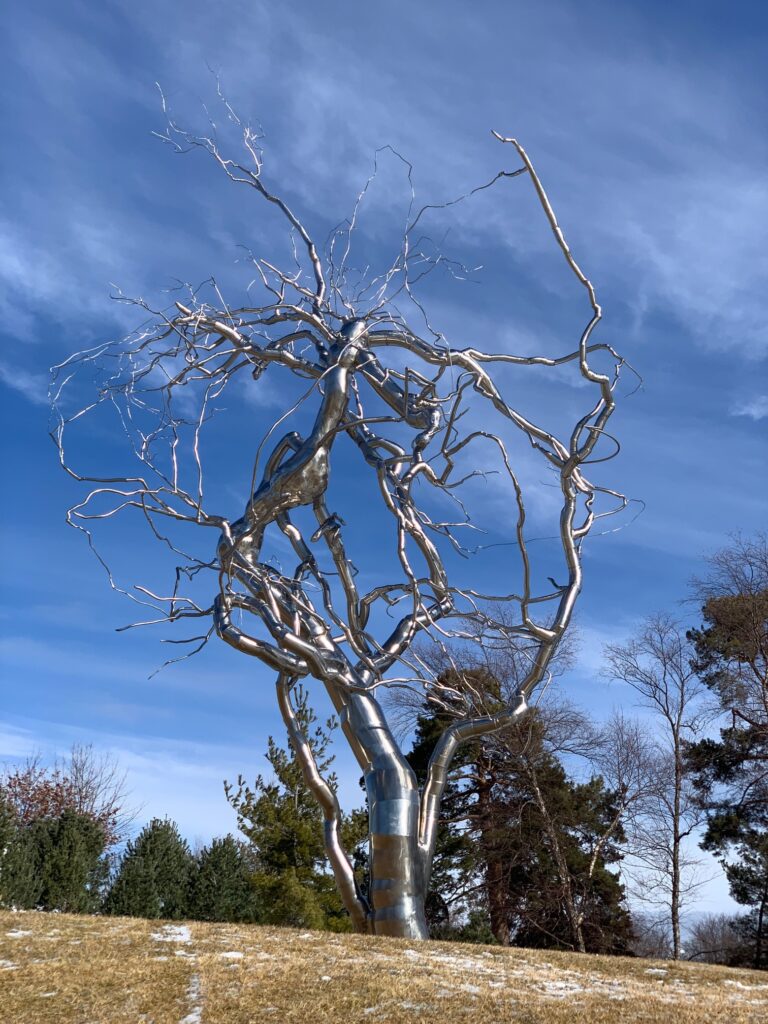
546,830
57,850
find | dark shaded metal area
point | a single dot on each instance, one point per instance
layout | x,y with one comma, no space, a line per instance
356,351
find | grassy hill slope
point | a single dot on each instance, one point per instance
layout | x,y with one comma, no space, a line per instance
61,969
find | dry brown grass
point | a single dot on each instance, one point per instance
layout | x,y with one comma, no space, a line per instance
57,969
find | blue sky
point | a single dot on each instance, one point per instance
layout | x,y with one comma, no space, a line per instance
646,124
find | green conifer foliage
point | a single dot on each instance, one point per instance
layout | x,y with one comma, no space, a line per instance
222,885
286,900
579,814
731,657
515,839
7,841
456,864
155,874
284,825
20,883
67,853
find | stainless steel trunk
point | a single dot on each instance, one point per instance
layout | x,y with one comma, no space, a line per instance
397,863
398,886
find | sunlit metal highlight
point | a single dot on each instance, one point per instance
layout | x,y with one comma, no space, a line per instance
309,623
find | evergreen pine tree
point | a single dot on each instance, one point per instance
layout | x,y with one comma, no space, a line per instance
748,881
67,854
730,773
455,864
20,883
286,900
7,826
516,837
577,814
222,884
7,841
284,824
154,876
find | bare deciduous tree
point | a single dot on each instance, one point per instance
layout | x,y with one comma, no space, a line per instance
416,413
618,753
100,788
656,663
85,781
714,939
651,935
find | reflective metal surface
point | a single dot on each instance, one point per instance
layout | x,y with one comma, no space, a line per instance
312,622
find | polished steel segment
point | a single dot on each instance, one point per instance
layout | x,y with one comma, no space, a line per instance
398,400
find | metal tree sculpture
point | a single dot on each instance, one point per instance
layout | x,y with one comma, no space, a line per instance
402,414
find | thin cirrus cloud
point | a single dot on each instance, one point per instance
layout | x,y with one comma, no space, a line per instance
33,386
647,163
653,195
754,408
193,772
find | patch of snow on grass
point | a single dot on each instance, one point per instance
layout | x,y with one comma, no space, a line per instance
181,933
656,970
231,956
16,933
463,963
195,1016
173,933
561,989
8,965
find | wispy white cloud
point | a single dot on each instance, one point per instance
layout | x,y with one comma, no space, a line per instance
33,386
16,743
635,156
698,255
646,188
592,640
47,278
79,663
754,408
166,776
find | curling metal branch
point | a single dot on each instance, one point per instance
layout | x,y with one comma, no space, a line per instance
412,410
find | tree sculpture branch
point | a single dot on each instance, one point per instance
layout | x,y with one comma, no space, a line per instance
374,381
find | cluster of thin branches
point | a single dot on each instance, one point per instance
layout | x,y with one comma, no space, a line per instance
371,378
